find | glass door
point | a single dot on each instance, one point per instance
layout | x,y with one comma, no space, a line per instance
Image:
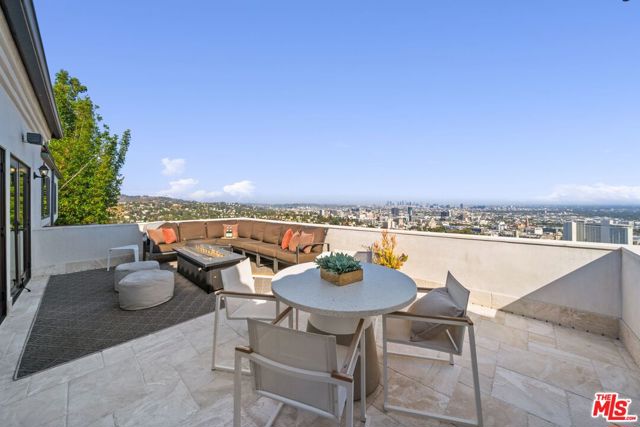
20,227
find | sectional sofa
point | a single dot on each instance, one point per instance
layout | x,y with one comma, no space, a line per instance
259,238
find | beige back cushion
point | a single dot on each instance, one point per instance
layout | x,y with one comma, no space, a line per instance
257,233
215,230
272,233
192,230
244,229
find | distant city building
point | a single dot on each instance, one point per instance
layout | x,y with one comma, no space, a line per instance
410,213
604,232
445,214
395,211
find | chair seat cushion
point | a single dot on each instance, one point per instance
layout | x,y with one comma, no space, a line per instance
123,270
438,302
145,289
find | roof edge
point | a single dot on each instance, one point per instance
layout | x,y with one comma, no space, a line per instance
21,17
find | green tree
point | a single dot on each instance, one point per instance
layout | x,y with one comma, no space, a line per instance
89,156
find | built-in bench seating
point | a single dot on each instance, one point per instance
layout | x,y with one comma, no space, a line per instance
259,238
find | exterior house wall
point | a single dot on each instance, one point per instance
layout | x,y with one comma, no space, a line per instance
19,113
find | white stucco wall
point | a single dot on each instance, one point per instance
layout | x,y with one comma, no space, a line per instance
581,276
631,290
19,113
62,249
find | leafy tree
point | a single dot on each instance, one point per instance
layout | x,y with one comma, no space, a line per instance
89,156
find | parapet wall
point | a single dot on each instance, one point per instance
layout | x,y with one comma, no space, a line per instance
580,285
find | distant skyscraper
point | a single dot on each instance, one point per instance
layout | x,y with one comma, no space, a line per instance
395,211
410,213
461,205
605,232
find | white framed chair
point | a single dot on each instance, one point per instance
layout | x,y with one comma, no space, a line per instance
241,302
301,369
396,328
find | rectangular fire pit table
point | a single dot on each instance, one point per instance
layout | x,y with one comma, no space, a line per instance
201,264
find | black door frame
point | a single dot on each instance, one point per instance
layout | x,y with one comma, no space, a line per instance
22,278
3,240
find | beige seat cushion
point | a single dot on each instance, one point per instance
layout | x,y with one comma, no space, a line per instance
241,243
122,270
437,302
262,248
145,289
290,257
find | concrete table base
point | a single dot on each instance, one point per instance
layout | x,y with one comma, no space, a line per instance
372,368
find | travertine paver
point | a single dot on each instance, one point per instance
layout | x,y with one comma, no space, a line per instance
532,373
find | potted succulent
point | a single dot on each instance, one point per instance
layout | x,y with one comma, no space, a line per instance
339,269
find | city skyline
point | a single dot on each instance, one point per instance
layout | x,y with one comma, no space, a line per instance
351,104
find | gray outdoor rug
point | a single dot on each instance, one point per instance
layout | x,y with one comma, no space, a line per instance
79,315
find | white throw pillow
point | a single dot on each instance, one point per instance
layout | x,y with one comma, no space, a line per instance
437,302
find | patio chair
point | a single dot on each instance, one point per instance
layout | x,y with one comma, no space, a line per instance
396,328
301,369
241,302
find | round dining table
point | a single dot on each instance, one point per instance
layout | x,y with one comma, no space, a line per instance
336,310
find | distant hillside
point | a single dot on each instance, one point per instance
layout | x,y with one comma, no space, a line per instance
156,208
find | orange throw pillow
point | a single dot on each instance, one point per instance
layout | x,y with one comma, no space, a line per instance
169,235
306,239
230,227
295,240
286,239
156,235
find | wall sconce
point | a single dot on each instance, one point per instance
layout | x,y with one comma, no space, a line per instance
44,172
33,138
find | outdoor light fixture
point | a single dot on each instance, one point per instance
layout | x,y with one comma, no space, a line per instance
33,138
44,171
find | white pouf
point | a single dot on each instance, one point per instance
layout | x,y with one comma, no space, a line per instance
145,288
127,268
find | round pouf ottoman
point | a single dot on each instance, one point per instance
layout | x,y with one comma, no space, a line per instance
123,270
145,288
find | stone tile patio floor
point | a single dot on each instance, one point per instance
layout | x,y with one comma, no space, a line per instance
532,373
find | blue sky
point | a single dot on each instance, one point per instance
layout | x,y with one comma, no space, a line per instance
274,101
